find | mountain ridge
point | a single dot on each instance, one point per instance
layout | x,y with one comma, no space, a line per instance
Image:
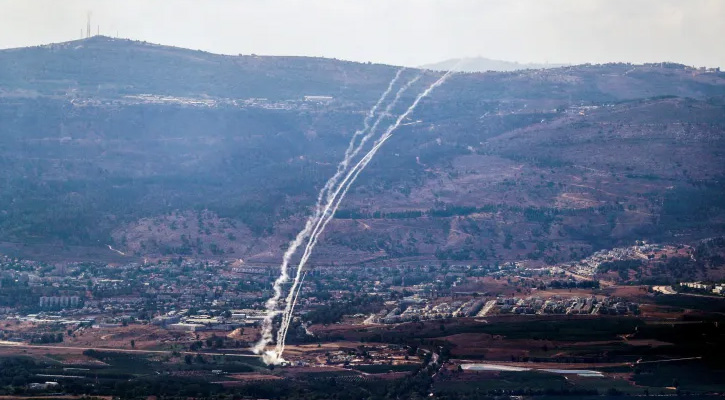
160,152
483,64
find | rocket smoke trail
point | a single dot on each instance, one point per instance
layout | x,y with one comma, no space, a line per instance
327,215
302,281
331,197
366,125
315,218
271,304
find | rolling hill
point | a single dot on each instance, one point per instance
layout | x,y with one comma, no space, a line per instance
161,151
482,64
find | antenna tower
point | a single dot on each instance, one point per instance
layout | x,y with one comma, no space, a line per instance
88,25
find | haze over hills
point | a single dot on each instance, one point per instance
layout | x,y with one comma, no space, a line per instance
482,64
176,223
161,151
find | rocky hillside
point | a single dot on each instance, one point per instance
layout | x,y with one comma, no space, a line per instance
161,151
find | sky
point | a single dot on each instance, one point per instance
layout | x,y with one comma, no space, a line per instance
401,32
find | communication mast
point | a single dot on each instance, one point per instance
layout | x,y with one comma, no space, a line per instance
88,25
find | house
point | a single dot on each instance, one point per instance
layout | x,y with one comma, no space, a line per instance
43,386
319,99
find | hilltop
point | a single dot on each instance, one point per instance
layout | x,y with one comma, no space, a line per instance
161,151
104,66
482,64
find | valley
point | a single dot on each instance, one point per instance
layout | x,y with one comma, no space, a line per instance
538,233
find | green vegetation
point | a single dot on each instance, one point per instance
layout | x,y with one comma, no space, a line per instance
571,329
380,368
683,302
694,205
516,383
74,178
685,376
349,305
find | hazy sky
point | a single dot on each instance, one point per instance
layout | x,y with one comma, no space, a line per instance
406,32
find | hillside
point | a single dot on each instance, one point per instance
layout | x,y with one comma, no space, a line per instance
160,151
482,64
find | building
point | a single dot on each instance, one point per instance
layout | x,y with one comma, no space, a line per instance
184,326
43,386
696,285
319,99
59,302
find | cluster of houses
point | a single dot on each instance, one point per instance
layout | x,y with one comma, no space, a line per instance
718,288
414,308
367,355
75,289
184,321
641,251
203,102
573,305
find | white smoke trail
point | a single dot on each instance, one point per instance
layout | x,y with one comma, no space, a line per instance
272,356
312,239
352,150
346,183
366,123
299,289
272,303
385,113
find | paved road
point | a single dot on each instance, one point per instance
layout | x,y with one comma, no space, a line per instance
670,290
670,360
35,346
